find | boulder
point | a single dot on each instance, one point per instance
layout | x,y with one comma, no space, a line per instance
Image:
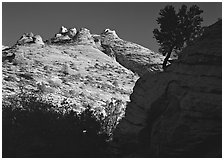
58,35
63,30
64,37
110,32
71,32
25,38
29,38
29,34
38,40
178,113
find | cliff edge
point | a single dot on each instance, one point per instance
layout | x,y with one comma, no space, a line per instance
178,113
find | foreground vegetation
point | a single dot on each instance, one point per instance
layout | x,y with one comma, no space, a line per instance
33,127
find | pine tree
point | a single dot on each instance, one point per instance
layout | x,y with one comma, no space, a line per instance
177,29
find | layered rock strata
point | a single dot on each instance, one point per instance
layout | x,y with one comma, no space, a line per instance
178,113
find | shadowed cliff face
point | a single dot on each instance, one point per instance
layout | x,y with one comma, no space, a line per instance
178,113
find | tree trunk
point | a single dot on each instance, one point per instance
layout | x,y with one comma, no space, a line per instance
167,58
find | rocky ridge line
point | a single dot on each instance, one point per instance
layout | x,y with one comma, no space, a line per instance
132,56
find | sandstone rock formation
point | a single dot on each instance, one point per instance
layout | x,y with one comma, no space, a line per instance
108,51
4,47
132,56
137,58
63,30
30,38
38,40
97,39
83,36
58,35
26,38
81,74
64,36
30,34
111,33
85,45
72,32
178,113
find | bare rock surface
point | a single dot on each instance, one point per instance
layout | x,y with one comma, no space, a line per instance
64,36
77,65
38,40
4,47
137,58
80,74
72,36
83,36
178,113
72,32
131,55
63,30
30,38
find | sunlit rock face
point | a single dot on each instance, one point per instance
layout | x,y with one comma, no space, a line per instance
38,40
72,32
137,58
79,73
63,30
25,38
131,55
83,36
64,35
78,66
4,47
110,34
30,38
178,113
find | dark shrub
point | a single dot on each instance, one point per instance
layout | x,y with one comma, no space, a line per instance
34,128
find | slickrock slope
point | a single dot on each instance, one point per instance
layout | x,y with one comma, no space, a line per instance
80,74
137,58
76,65
132,56
76,69
178,113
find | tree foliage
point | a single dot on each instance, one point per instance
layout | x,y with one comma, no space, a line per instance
177,29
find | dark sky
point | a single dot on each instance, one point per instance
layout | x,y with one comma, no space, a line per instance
132,21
